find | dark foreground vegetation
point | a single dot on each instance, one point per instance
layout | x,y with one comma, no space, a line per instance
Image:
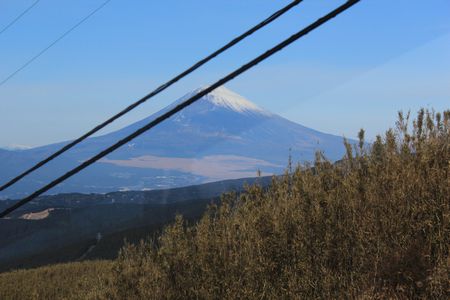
68,231
374,225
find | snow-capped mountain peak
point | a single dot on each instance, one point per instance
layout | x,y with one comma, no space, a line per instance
223,97
221,136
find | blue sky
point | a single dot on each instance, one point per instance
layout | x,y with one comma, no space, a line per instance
355,72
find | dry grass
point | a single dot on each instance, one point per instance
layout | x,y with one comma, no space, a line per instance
83,280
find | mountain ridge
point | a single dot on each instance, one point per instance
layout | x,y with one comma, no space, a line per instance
221,136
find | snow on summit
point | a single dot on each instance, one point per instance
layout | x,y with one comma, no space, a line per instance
225,98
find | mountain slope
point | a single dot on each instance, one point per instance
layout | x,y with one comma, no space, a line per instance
222,136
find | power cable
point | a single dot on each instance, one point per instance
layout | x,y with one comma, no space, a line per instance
19,16
183,105
26,64
161,88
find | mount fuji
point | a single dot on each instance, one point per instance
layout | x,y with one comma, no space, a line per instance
221,136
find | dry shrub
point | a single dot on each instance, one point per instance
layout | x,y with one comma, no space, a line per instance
374,225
